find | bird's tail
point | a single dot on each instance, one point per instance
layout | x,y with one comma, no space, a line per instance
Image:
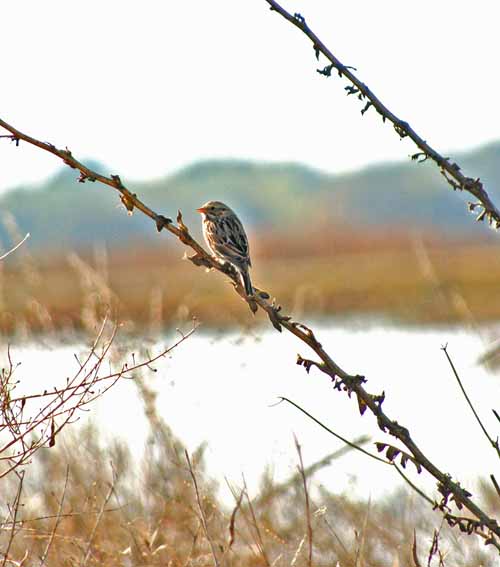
247,282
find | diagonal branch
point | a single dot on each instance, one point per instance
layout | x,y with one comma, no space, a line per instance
342,381
131,202
450,170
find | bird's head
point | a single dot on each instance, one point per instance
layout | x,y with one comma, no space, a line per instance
214,210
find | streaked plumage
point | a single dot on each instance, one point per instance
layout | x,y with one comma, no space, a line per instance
226,238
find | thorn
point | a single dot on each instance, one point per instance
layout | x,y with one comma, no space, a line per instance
351,90
300,19
326,71
180,222
117,180
481,215
367,106
128,202
161,222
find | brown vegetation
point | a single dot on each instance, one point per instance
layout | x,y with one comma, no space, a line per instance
104,508
381,274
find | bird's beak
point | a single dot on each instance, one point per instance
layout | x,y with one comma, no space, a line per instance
202,210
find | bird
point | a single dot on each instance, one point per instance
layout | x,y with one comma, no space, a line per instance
226,238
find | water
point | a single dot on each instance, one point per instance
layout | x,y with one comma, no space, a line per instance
223,390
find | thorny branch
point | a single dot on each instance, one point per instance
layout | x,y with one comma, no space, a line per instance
342,381
130,202
450,170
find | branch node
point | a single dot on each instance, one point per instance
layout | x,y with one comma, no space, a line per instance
326,71
419,157
350,89
367,106
262,294
118,181
299,18
68,158
128,201
180,222
306,363
162,222
85,177
401,128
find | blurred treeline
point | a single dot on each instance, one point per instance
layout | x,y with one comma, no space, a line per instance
63,214
388,240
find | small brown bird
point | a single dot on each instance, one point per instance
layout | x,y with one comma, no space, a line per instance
226,238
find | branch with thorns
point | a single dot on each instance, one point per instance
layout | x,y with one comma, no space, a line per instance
450,170
342,381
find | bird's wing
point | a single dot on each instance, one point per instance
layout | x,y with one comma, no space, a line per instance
233,241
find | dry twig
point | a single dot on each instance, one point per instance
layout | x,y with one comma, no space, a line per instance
308,505
33,421
493,443
102,509
14,510
203,518
59,516
20,243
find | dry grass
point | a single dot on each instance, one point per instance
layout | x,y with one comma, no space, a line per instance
83,504
382,274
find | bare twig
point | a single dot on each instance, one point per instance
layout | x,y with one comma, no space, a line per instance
57,522
495,484
14,511
15,247
450,170
359,551
280,488
203,518
255,524
352,445
24,521
308,506
28,425
232,521
414,550
254,546
493,443
99,516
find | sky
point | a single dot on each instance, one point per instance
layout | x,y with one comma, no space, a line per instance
148,88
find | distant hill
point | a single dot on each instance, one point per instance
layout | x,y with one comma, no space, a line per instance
63,214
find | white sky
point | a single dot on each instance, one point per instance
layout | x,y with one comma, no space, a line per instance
148,87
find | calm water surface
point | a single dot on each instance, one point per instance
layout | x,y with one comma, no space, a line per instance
223,390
